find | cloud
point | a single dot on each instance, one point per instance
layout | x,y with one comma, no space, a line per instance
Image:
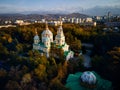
9,9
99,10
13,9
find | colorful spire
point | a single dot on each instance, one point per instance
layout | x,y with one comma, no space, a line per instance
60,21
36,33
46,25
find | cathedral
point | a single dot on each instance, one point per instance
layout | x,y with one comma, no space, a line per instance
44,45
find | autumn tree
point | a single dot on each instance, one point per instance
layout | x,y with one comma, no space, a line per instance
40,72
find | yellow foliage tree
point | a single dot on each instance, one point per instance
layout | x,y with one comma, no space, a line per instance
40,71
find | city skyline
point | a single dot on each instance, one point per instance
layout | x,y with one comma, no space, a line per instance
60,6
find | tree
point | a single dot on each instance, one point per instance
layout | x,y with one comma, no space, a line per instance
19,48
26,78
13,85
3,78
55,84
40,71
3,52
75,65
108,65
3,73
76,45
97,62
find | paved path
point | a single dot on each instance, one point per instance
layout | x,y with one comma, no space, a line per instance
87,45
87,59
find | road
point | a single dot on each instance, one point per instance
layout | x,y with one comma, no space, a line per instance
87,59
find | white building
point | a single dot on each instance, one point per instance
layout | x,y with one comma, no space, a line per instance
72,20
8,22
6,26
47,38
21,22
77,20
89,24
54,23
89,20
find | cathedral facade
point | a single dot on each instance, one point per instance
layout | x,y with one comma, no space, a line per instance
44,45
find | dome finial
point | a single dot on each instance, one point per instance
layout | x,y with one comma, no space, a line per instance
46,24
36,31
60,21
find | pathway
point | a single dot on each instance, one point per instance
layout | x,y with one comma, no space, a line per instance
87,59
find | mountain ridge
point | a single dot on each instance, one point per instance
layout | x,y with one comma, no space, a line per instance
40,16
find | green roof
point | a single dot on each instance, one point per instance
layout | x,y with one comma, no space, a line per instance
42,44
36,44
73,82
40,51
61,46
66,53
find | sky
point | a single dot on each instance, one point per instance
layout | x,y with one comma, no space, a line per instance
57,6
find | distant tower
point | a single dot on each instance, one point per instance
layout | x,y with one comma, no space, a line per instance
109,16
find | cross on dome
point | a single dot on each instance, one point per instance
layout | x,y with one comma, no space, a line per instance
36,37
60,21
36,33
46,25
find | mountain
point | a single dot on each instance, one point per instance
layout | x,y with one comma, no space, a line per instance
78,15
39,16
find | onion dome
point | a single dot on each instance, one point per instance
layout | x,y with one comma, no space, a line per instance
47,33
46,39
88,78
36,37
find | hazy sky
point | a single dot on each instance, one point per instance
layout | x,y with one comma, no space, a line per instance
61,5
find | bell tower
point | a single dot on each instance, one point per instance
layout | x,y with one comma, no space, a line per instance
60,38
